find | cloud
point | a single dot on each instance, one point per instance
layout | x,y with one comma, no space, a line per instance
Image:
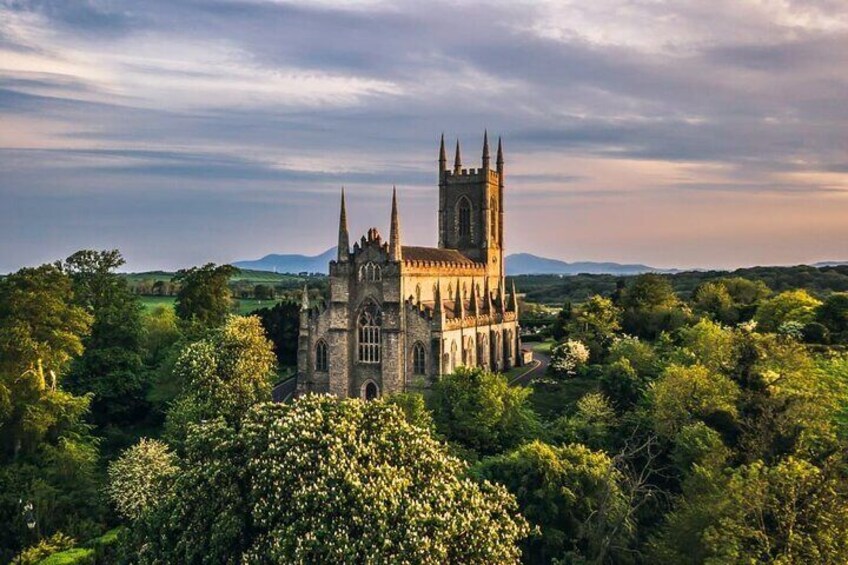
605,104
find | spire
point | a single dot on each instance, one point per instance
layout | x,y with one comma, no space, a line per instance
489,308
502,296
459,304
457,161
443,160
475,306
514,299
439,306
485,150
304,300
344,242
395,253
500,160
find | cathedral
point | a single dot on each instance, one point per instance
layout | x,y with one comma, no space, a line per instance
399,316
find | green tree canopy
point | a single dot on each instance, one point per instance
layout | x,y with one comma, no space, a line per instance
790,306
324,480
480,411
204,297
572,494
40,321
651,307
222,375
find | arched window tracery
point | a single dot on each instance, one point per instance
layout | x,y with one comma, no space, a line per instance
369,325
321,358
419,359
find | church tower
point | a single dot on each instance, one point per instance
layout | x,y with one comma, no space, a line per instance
471,209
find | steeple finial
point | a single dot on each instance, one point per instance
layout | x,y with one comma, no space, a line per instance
395,253
457,161
485,150
304,299
488,292
459,303
500,160
343,250
514,299
439,306
443,159
475,306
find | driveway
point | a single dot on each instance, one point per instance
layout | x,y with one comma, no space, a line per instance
540,365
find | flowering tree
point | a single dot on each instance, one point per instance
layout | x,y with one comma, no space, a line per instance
138,478
324,480
567,357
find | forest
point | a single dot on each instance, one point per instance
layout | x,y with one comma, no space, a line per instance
688,418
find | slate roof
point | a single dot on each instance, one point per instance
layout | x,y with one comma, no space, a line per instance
436,255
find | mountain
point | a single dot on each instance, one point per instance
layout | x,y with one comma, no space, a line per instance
821,264
527,264
516,264
290,263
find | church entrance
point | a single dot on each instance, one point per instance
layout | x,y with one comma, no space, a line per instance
371,391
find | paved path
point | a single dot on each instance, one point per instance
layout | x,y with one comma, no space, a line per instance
540,365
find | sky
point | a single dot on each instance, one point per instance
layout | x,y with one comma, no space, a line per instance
686,133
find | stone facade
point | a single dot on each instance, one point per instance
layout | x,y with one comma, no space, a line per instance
398,316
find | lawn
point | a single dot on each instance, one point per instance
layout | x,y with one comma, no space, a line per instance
243,305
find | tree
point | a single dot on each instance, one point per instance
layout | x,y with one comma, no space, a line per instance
139,478
414,407
651,307
568,357
714,300
571,493
222,375
160,332
790,306
559,328
204,297
479,410
40,324
595,324
325,480
111,366
791,512
708,344
263,292
282,324
833,314
48,458
591,425
683,395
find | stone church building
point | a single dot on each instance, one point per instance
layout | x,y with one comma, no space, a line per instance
399,316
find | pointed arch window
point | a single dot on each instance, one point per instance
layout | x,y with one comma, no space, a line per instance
419,359
321,358
464,218
370,272
369,326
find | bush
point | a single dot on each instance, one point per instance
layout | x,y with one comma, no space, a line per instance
76,556
567,357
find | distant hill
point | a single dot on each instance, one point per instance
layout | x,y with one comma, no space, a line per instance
527,264
292,263
516,264
830,264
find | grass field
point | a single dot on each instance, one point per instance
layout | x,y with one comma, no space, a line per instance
244,305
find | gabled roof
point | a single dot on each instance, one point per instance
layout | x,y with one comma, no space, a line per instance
436,255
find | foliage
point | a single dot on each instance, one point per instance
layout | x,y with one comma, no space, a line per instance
204,297
75,556
651,307
683,395
568,357
282,323
44,548
792,512
222,375
596,324
572,494
789,306
39,321
138,479
708,344
159,333
833,314
479,410
623,385
326,480
414,407
590,425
